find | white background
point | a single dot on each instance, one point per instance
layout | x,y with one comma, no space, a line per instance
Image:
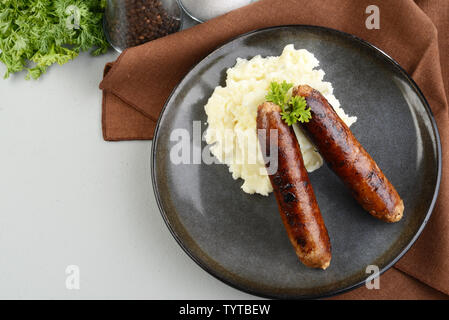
67,197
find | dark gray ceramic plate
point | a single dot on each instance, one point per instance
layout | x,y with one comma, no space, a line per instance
239,238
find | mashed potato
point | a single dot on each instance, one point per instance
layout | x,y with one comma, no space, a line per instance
232,112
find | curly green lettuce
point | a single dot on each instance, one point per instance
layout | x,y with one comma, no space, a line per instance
35,34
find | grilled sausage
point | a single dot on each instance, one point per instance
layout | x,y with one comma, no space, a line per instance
294,194
348,159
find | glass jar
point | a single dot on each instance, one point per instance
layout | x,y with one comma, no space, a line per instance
203,10
129,23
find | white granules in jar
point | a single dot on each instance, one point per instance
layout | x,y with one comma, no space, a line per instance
204,10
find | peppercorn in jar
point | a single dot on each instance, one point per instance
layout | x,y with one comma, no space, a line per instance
130,23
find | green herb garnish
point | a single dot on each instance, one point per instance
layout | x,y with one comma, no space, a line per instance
293,109
35,34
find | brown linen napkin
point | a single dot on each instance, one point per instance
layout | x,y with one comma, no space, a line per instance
136,86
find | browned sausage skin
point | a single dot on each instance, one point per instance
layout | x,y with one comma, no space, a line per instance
348,159
294,194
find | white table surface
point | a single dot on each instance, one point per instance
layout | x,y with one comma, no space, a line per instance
67,197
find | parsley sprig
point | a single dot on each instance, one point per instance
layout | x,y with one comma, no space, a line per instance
293,109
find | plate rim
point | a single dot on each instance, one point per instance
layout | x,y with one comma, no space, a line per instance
384,56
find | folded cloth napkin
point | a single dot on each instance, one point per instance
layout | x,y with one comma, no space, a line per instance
136,86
